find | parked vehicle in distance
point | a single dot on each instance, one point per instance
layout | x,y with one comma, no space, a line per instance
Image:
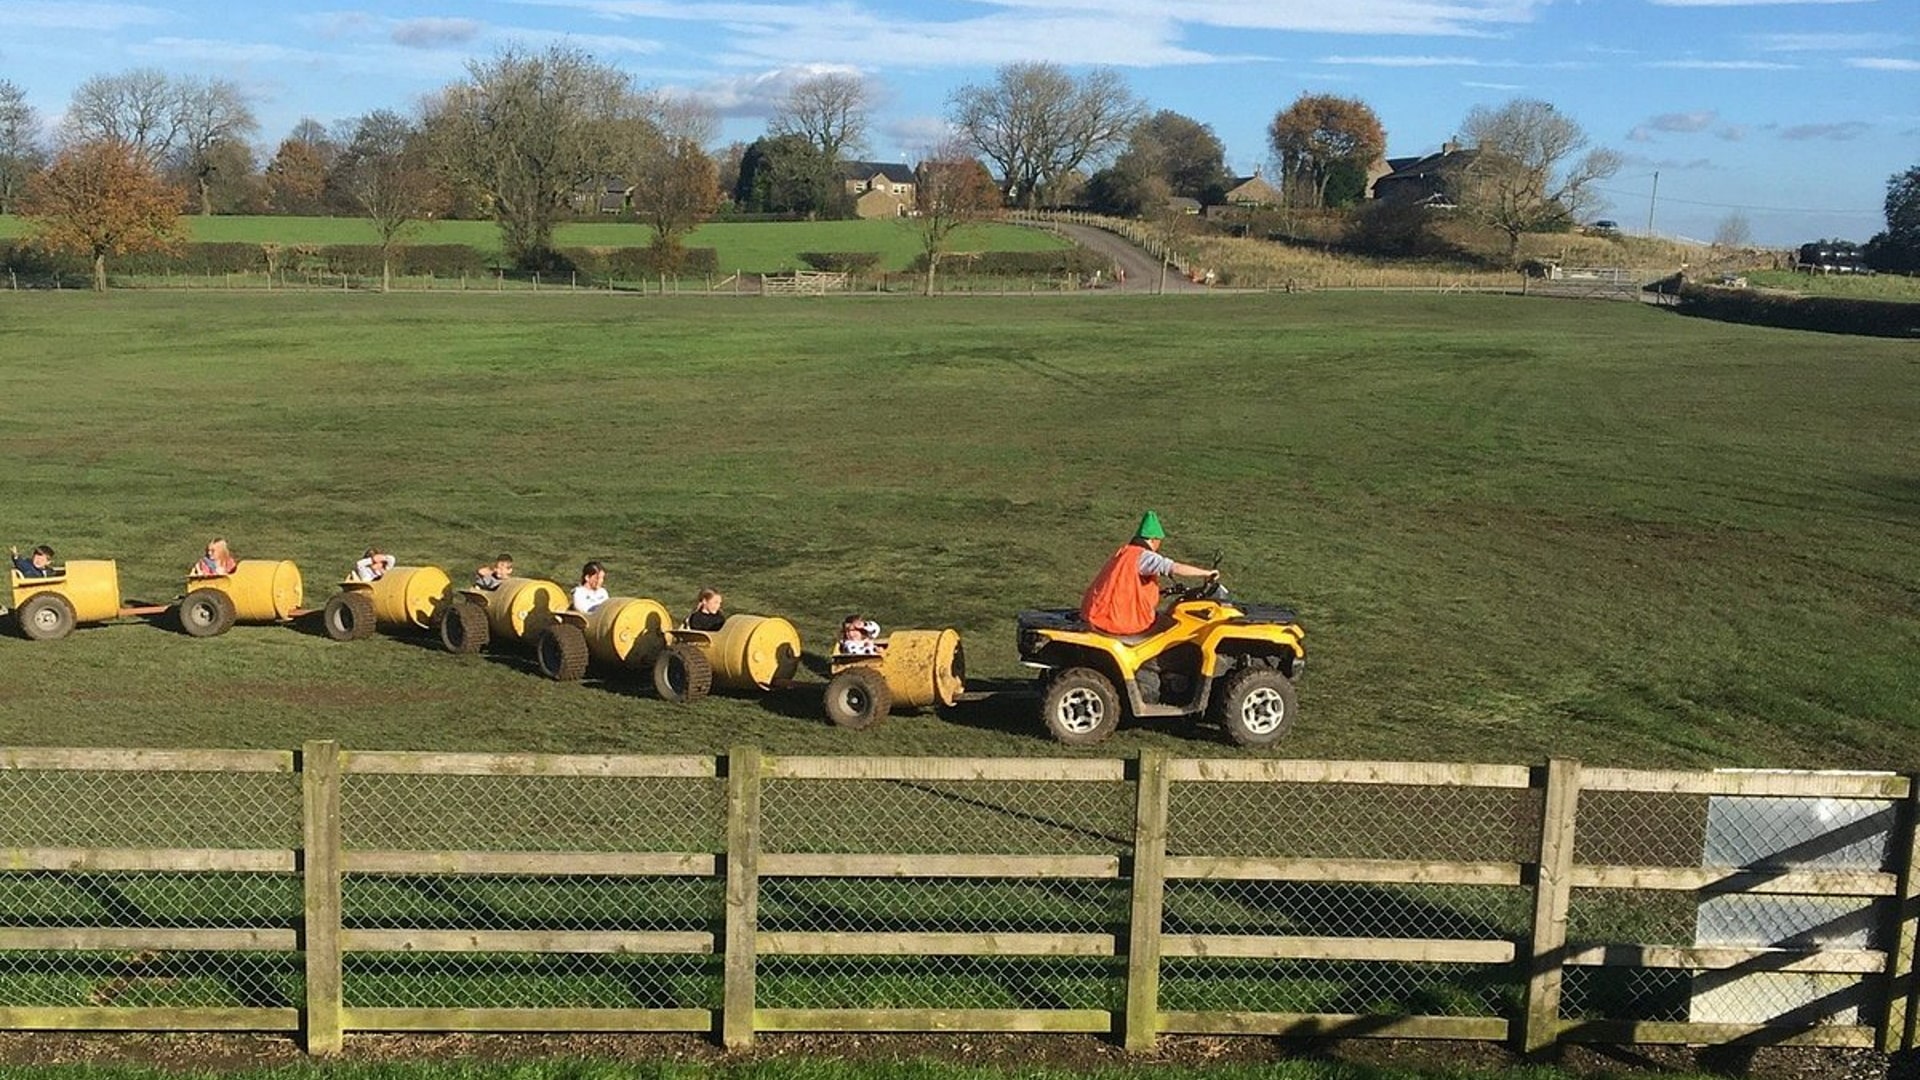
1830,257
1604,227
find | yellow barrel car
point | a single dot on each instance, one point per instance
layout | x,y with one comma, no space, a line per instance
748,652
626,632
516,611
82,591
914,668
404,598
258,591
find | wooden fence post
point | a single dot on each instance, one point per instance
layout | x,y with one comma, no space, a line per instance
320,874
1149,895
1553,891
743,894
1897,1030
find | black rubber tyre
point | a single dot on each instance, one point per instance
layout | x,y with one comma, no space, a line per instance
858,698
348,616
1080,707
561,652
206,613
463,627
681,674
1255,705
45,617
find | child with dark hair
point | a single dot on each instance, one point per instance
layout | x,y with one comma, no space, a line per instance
859,636
37,563
706,614
592,590
490,576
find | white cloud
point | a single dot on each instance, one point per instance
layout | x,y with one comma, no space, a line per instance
1822,42
91,17
1883,63
1503,87
1722,65
434,33
910,138
1750,3
1410,17
759,93
1843,131
1410,61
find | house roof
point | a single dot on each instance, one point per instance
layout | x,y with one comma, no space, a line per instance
894,171
1440,164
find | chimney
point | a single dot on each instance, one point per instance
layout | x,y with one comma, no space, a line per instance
1449,147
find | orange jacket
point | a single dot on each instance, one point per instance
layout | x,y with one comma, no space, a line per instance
1121,600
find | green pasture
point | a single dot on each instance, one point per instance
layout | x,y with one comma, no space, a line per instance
750,246
1513,527
1852,286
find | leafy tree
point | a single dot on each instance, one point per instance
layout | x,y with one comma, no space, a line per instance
143,109
786,174
1179,151
829,110
1038,124
1524,177
21,154
1319,137
296,178
98,199
676,184
385,170
231,181
1898,248
951,189
214,119
527,131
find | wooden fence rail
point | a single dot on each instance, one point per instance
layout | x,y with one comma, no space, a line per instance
1579,846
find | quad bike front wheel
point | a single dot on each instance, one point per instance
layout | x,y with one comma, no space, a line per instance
1256,706
1080,707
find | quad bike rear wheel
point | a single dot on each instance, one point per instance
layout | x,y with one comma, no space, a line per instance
1080,707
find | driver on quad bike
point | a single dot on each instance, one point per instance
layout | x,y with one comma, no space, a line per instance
1124,597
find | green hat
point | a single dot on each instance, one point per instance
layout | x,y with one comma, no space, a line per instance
1150,527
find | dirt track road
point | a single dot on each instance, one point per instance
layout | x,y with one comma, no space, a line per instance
1142,269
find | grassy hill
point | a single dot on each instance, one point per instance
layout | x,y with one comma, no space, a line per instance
753,247
1513,527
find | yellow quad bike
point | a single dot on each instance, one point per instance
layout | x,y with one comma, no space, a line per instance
914,668
1205,655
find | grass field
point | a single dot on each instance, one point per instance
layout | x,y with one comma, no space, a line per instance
1853,286
1512,527
753,247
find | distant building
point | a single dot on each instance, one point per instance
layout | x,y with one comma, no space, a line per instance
1251,191
880,189
1433,180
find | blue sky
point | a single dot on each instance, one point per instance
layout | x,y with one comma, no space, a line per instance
1792,113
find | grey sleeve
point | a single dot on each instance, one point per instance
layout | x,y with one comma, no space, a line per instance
1154,564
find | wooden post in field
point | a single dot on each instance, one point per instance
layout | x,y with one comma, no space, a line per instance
1897,1030
743,894
320,874
1149,894
1553,892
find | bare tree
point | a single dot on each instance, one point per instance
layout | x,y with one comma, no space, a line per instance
142,108
99,199
829,110
384,168
21,154
1733,232
212,112
951,189
527,131
1039,124
1524,177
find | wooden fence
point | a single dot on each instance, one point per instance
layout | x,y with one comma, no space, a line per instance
1197,883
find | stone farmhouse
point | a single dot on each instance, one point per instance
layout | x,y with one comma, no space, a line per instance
880,189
